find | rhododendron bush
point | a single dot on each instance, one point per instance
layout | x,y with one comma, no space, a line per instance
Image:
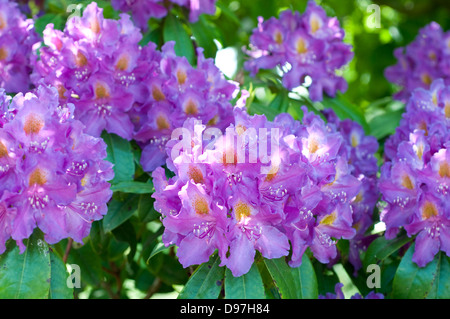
224,149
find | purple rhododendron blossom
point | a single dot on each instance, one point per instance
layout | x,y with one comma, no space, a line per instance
262,186
304,45
340,295
415,179
98,65
52,174
178,91
421,62
17,41
143,10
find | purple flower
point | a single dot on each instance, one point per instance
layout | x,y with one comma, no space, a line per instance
17,42
98,65
421,62
257,186
340,295
52,174
308,45
415,179
178,92
143,10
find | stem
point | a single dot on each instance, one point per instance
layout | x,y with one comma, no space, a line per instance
68,248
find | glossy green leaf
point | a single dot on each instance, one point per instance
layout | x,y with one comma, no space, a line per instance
156,250
58,281
89,262
173,30
26,275
119,212
346,110
385,124
247,286
381,248
206,282
431,281
133,187
41,22
293,283
120,154
203,31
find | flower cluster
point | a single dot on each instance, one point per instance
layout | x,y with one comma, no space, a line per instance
421,62
178,91
52,174
17,38
302,45
98,65
143,10
258,187
360,150
415,179
340,295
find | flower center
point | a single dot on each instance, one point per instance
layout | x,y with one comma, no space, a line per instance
313,146
195,174
181,77
241,210
444,169
33,124
3,23
278,37
429,210
162,123
3,54
80,59
315,23
407,183
426,79
122,64
201,206
191,107
447,110
3,150
157,94
329,219
101,91
37,178
301,46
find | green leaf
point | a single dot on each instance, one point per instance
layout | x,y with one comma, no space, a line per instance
344,109
205,282
385,124
58,281
247,286
257,108
293,283
156,250
280,103
120,154
133,187
90,264
173,30
26,275
431,281
41,22
381,248
119,212
203,31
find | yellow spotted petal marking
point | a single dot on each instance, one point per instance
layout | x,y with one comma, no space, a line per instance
241,210
37,178
33,124
200,205
429,210
407,183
